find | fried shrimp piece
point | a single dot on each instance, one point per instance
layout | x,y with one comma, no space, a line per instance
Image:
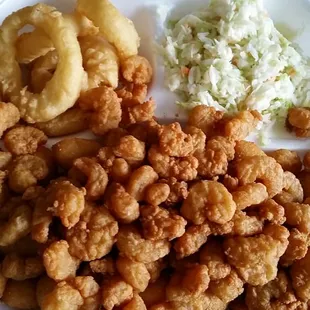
226,145
130,149
289,160
155,268
299,118
300,273
263,169
157,193
231,183
227,289
132,245
105,266
298,216
191,241
134,273
132,94
178,191
19,268
198,137
208,200
277,294
24,140
211,163
174,142
17,226
212,255
136,303
182,169
155,292
137,70
120,170
188,284
249,195
94,235
20,294
158,223
139,180
65,201
122,205
5,159
45,286
241,125
297,247
9,116
204,118
306,161
271,211
100,61
292,190
115,292
97,178
247,149
58,262
72,121
256,258
304,178
26,171
68,150
106,108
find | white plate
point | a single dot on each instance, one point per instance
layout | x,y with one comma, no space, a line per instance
291,14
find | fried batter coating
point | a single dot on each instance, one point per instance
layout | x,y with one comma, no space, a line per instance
68,150
134,273
137,69
224,144
212,255
306,161
249,195
113,137
227,289
5,159
289,160
155,268
106,108
191,241
157,193
132,245
94,235
58,262
97,178
139,180
3,281
26,171
115,292
120,171
231,183
188,284
132,94
292,190
130,149
297,247
298,215
136,303
17,226
4,192
123,206
20,294
299,118
9,116
204,118
241,125
178,191
23,140
18,268
211,163
146,131
105,266
208,200
256,258
245,149
198,137
300,273
45,286
155,292
277,294
271,211
174,142
263,169
182,169
158,223
65,201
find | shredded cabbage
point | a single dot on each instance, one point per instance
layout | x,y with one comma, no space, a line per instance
230,56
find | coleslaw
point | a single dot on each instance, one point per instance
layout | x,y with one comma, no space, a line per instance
231,56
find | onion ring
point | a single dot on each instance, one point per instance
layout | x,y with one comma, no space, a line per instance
32,45
62,91
115,27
